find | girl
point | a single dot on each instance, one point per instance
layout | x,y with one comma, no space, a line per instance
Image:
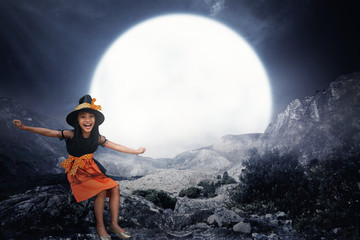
85,178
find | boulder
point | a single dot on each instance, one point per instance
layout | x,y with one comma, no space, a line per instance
242,227
187,205
53,211
224,217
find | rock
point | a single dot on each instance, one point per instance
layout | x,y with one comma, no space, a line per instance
224,217
274,222
242,227
53,211
273,236
203,159
44,211
187,205
201,226
214,219
168,180
286,222
181,222
234,147
263,223
239,212
313,126
259,236
280,215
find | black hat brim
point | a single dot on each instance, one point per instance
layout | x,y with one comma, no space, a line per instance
71,118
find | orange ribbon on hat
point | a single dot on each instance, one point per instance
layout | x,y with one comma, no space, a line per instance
93,106
72,164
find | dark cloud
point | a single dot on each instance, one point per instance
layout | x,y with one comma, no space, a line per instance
50,49
303,44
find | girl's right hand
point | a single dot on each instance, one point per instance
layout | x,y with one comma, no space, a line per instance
18,124
140,151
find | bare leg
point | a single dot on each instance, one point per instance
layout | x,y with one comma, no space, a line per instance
99,213
114,203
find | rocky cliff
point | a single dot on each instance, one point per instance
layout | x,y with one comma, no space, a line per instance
313,126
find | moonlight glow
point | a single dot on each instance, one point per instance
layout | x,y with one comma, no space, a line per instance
180,82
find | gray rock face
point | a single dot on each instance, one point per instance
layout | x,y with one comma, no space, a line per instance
235,147
217,158
224,217
314,125
242,227
187,205
169,180
52,213
199,160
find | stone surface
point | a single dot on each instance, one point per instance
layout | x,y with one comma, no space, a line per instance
169,180
242,227
224,217
51,212
187,205
313,126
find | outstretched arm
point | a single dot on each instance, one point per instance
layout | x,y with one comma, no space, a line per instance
42,131
121,148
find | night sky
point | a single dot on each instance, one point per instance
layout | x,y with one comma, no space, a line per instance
49,49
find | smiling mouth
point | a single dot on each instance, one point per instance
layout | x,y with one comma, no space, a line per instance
87,126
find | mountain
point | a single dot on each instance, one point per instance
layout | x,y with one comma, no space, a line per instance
226,154
313,126
23,153
310,127
125,165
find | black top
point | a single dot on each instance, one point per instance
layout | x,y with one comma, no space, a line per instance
78,145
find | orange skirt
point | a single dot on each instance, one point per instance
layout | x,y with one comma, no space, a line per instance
89,181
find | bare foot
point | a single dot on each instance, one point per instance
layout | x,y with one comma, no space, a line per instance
102,231
117,228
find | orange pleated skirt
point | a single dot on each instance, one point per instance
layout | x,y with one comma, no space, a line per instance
89,181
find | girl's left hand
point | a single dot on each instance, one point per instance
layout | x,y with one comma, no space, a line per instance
18,123
140,151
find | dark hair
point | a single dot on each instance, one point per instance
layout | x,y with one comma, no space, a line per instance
94,135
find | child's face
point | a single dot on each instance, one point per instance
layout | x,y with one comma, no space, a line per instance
86,121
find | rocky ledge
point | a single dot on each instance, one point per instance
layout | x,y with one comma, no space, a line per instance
50,212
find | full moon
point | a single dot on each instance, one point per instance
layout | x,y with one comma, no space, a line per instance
180,82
